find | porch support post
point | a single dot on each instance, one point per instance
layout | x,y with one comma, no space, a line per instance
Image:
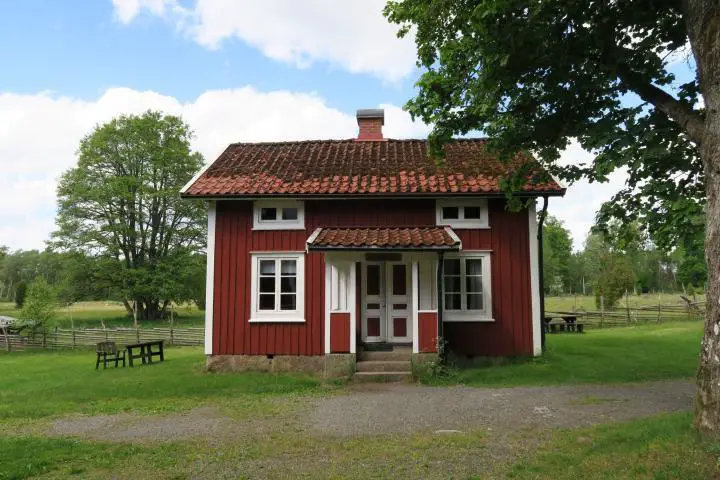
352,306
328,302
414,306
440,307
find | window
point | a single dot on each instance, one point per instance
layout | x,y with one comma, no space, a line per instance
466,287
463,213
278,287
278,215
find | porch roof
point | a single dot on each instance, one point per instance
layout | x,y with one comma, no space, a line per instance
384,238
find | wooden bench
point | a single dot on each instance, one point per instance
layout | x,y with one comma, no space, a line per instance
108,352
145,352
567,323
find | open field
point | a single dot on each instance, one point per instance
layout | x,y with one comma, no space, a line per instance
571,303
111,314
173,420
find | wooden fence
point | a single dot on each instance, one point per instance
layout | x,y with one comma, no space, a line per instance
89,337
633,315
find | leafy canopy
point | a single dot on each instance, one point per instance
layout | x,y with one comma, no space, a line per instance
535,75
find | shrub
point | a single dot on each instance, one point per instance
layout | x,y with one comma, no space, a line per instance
39,309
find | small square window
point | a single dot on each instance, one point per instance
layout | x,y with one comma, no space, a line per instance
472,213
450,213
289,213
268,214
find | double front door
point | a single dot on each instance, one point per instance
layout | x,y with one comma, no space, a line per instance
386,298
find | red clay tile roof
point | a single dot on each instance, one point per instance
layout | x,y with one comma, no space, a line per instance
351,167
389,238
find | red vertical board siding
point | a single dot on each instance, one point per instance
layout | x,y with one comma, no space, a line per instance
340,332
510,334
427,332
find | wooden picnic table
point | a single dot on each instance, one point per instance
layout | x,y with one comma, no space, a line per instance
145,351
566,323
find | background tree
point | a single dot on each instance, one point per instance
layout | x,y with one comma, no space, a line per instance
38,313
122,202
557,254
20,293
534,75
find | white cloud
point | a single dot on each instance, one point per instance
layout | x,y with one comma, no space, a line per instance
39,135
583,199
353,35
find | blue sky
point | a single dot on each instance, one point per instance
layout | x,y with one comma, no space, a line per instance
234,69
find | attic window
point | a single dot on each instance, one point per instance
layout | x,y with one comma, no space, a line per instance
278,215
463,213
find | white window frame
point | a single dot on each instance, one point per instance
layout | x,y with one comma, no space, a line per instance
280,224
277,316
464,315
461,221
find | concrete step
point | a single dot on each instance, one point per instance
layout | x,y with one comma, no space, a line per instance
362,377
385,356
383,366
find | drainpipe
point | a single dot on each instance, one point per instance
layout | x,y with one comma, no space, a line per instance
440,328
541,283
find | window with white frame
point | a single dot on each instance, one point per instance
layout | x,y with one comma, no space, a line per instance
463,213
278,287
278,215
466,287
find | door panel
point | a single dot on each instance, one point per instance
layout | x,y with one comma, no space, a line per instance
398,302
373,323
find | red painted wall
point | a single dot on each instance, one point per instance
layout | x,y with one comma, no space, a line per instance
510,334
427,331
339,332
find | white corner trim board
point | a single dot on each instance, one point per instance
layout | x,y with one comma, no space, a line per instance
210,278
535,280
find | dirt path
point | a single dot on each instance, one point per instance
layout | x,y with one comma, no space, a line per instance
399,408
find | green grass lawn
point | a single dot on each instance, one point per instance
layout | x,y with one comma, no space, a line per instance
111,314
37,387
628,354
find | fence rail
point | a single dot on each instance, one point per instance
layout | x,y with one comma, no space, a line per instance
632,315
89,337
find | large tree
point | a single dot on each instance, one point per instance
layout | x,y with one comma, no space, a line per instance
122,203
557,255
535,74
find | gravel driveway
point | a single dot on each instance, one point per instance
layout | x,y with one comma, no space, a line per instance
403,408
375,409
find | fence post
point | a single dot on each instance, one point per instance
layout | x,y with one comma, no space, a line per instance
172,315
137,333
7,340
72,329
627,306
602,310
106,333
659,320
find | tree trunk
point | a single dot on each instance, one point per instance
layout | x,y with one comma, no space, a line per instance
703,22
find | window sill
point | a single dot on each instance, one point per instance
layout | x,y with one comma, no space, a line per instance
277,320
464,226
291,226
466,317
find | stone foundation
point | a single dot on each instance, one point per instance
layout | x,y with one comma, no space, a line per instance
336,365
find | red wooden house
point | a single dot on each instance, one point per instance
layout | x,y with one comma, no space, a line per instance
318,249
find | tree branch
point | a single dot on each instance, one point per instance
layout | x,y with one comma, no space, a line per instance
682,114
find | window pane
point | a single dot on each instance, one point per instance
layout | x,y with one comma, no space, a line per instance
267,267
267,285
473,266
452,266
472,213
473,284
399,279
373,279
450,213
452,284
287,301
474,301
288,284
288,267
268,214
267,302
452,301
289,213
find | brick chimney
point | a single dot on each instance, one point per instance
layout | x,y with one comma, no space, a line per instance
370,121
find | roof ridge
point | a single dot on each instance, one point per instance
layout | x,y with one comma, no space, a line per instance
353,140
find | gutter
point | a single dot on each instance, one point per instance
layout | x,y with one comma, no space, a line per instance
541,268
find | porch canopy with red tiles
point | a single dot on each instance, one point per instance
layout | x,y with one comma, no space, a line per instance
355,168
384,239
